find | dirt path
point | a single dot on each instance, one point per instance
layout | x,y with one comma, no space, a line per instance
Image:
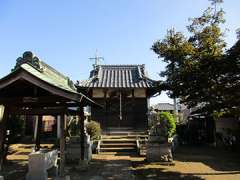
106,167
195,163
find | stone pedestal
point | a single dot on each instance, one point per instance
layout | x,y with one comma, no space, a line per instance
39,162
87,149
73,149
157,151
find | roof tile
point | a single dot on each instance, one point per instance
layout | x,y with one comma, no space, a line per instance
118,76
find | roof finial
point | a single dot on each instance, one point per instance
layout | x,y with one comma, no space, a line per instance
97,59
29,58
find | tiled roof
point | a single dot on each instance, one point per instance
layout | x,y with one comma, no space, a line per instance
118,76
37,68
43,71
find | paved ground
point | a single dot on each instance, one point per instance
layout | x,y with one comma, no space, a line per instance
190,163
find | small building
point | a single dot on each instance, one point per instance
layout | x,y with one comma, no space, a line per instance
36,89
163,107
123,91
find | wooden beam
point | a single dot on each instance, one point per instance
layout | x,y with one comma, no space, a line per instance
35,128
37,111
32,99
58,91
106,109
39,83
62,145
133,108
82,131
39,132
58,127
46,101
3,122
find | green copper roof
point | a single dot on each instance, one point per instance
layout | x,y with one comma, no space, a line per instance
49,76
40,70
44,72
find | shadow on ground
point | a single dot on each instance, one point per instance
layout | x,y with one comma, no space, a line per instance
14,170
217,159
103,170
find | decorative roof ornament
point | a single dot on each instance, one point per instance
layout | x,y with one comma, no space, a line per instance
29,58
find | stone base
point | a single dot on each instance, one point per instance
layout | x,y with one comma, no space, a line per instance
157,152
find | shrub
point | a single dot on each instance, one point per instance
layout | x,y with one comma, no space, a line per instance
94,130
169,122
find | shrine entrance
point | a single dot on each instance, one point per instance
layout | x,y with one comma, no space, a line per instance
120,110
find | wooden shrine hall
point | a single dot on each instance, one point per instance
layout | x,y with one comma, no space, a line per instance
35,88
124,92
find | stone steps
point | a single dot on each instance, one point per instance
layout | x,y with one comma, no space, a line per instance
118,149
118,145
106,145
121,140
123,136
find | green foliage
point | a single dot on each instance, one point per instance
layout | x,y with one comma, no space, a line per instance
94,130
168,121
199,71
217,115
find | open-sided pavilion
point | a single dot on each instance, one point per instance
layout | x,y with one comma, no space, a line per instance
35,88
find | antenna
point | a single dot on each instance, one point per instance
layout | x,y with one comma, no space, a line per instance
97,59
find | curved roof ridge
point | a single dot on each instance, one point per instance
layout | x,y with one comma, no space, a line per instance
119,76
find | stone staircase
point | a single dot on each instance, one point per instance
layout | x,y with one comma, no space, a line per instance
117,141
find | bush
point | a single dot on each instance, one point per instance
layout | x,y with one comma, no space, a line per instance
94,130
167,119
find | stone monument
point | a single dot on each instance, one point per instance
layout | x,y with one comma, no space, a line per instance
158,148
39,162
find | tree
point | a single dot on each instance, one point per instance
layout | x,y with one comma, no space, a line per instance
231,80
238,33
197,66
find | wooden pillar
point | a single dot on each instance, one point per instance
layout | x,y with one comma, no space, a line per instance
106,110
38,132
58,127
3,122
82,131
62,145
133,109
120,106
